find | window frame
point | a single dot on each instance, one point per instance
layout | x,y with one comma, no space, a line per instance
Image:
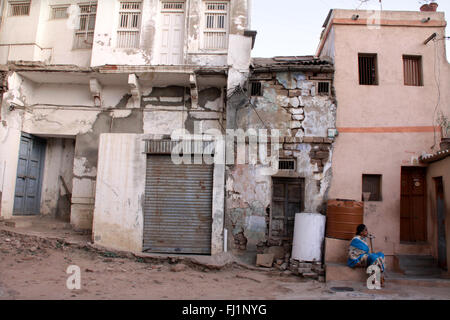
131,30
419,60
86,31
12,3
379,178
204,22
61,6
375,62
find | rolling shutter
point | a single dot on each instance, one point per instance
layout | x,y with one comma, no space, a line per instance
178,206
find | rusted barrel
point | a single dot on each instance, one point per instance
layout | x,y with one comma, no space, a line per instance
343,216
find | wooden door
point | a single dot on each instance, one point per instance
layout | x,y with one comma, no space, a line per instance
29,176
287,200
172,33
413,218
440,208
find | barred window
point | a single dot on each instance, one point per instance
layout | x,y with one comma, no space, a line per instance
84,36
128,32
59,12
412,70
255,88
323,88
19,8
368,69
216,25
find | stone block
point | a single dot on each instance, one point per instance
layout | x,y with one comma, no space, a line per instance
277,251
308,139
294,102
317,139
295,124
304,270
296,111
298,117
264,260
311,275
18,224
295,93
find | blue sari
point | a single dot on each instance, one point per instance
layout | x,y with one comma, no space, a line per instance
359,254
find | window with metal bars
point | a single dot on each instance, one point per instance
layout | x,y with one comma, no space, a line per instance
412,70
286,164
84,36
19,8
215,35
323,88
128,32
368,69
59,12
255,88
371,187
173,6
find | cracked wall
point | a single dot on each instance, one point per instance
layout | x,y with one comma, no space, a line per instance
290,103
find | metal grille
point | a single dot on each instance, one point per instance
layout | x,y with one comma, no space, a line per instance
256,88
216,25
367,69
59,12
19,8
412,70
286,164
324,88
84,36
128,32
178,207
172,7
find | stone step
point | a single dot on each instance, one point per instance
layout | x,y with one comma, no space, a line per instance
18,223
406,261
417,281
341,272
413,249
419,271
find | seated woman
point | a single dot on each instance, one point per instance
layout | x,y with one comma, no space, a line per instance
359,253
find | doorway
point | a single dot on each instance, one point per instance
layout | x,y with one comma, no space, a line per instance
413,218
172,33
27,195
287,200
440,208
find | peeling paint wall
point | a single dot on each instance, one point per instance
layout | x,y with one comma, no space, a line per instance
291,104
105,50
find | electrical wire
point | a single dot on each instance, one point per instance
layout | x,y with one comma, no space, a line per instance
238,90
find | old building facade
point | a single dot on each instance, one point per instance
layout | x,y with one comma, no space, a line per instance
391,84
91,101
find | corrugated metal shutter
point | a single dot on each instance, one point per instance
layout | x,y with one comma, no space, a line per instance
178,207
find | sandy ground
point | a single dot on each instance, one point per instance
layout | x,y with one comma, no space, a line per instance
33,268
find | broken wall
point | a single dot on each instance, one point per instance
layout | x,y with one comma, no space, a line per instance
290,102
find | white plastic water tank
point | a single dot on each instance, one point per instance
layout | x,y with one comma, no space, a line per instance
309,232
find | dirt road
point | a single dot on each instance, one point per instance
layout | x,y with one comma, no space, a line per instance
33,268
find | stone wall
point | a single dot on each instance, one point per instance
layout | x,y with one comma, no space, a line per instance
290,102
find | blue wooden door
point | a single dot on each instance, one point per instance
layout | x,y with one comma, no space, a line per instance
29,175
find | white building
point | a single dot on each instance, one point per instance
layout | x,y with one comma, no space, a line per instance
94,91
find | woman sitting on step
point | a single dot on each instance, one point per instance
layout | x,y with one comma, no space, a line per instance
359,253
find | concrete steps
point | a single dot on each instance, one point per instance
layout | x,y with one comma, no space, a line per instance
418,265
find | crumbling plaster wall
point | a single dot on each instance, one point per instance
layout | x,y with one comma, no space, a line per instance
104,50
290,104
